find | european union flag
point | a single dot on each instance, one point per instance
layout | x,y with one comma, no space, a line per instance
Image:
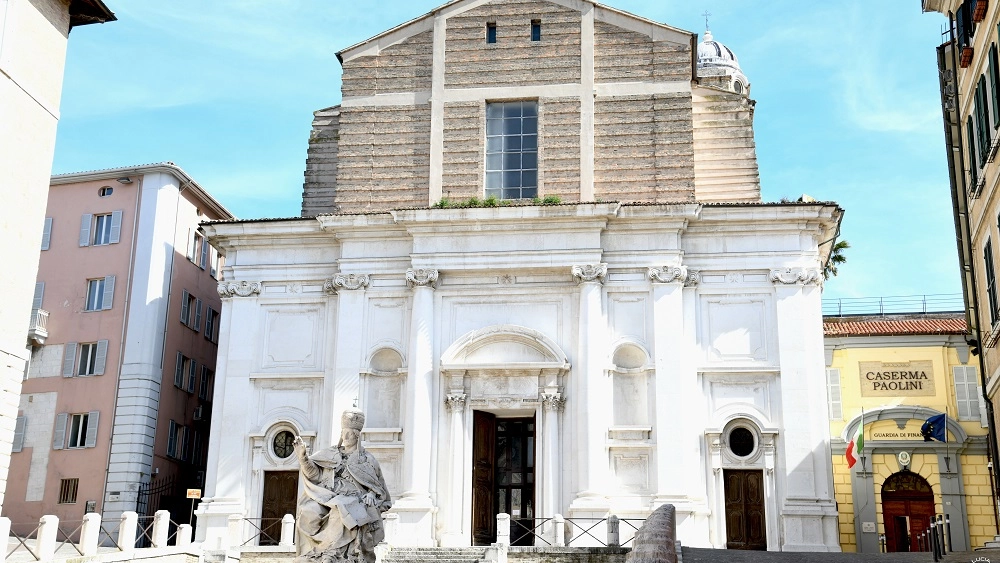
935,427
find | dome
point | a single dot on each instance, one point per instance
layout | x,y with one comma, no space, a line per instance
717,60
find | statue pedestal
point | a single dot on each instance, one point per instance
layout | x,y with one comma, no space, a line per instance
415,524
214,522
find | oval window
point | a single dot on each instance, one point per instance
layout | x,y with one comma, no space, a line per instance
282,444
741,441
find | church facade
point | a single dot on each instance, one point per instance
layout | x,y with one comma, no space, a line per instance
533,251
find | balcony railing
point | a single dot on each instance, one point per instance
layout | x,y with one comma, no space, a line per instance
37,331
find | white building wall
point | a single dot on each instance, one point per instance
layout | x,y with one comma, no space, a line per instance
32,55
723,337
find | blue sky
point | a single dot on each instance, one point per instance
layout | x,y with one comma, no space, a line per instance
847,107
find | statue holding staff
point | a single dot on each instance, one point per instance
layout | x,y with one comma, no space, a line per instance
344,495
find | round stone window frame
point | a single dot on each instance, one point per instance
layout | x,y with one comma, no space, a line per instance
273,442
754,433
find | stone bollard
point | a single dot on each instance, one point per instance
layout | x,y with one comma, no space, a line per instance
560,526
89,533
390,521
614,540
161,528
656,540
48,527
503,529
4,529
234,537
287,530
183,535
127,531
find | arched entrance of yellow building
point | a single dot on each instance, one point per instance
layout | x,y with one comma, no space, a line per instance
907,506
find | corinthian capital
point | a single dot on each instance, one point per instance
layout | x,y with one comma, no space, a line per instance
667,274
239,289
455,402
422,277
803,276
553,401
590,273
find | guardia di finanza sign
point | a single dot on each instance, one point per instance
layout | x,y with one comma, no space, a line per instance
882,379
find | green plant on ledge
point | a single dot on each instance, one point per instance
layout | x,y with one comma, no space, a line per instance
492,201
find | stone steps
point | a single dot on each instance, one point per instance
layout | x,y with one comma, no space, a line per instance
436,554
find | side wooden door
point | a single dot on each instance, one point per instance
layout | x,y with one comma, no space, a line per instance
484,428
746,524
281,490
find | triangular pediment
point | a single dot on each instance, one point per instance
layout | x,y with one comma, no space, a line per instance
655,30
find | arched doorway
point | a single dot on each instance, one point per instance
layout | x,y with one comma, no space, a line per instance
907,506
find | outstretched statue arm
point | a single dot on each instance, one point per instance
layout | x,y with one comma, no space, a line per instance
309,469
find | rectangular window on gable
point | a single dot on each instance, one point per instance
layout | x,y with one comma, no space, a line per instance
512,150
491,32
536,30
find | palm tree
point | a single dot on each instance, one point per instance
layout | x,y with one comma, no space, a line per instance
836,258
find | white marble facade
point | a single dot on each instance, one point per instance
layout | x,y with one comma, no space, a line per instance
637,336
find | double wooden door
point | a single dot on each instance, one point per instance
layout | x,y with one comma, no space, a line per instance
907,507
746,525
503,477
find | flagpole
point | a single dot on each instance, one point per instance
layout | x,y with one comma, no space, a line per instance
862,437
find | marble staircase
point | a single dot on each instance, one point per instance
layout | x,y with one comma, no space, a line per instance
435,554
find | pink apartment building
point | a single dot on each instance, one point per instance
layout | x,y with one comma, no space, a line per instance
115,404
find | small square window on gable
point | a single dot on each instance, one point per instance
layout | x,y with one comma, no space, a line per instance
491,32
536,30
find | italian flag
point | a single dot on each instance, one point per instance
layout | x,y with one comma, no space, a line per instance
855,446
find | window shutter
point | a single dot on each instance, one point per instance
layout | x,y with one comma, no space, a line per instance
102,357
172,439
36,302
19,424
961,393
59,440
116,226
185,307
47,233
85,222
92,418
197,315
69,359
179,371
833,385
983,419
192,375
973,169
204,253
192,251
109,292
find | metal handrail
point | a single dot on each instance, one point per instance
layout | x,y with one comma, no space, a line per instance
533,531
22,541
586,531
894,304
105,535
635,528
260,530
145,532
68,537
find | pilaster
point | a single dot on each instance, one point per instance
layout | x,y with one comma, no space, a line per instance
590,409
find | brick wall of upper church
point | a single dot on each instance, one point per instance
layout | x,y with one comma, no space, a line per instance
514,59
644,148
621,55
403,67
559,148
462,174
383,158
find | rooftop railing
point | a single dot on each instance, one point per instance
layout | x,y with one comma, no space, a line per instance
895,304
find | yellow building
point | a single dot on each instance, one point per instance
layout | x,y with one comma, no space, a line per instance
897,371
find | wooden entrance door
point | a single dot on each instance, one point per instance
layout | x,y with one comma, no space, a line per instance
907,506
503,477
281,489
745,518
484,522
